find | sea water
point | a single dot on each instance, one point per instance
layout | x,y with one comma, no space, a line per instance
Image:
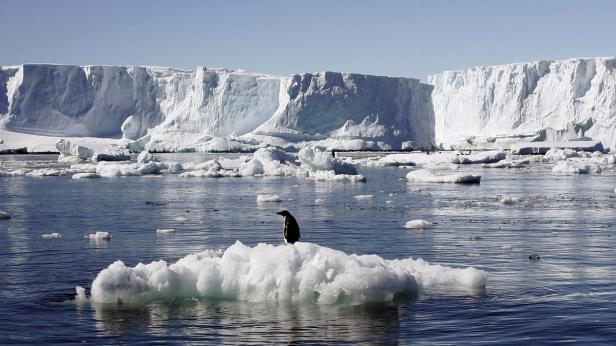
565,296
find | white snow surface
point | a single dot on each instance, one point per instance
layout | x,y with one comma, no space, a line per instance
542,100
176,109
304,272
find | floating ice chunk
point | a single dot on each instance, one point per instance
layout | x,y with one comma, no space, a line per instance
84,176
14,173
417,224
111,154
507,247
180,219
484,157
268,199
510,200
302,272
321,200
68,158
426,176
69,149
4,215
270,161
226,145
80,295
507,164
363,197
99,236
109,169
396,160
555,154
579,167
145,157
315,159
47,172
332,176
54,235
165,231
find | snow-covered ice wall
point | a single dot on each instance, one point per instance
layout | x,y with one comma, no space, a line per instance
552,100
179,108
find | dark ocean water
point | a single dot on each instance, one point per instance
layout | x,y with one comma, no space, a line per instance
566,297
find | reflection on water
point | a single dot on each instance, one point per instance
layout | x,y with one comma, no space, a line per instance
567,220
245,323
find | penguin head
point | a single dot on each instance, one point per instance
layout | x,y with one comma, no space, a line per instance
283,213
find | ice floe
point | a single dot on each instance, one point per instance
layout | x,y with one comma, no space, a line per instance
302,272
99,236
426,176
481,157
576,167
165,231
4,215
268,199
54,235
510,200
417,224
84,176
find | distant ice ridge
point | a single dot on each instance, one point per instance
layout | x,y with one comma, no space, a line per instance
543,100
170,109
302,272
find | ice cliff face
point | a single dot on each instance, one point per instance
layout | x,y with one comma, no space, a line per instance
178,108
548,100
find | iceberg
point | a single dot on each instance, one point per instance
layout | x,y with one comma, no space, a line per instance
304,272
538,101
215,109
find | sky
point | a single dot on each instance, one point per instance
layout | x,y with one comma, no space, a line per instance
395,38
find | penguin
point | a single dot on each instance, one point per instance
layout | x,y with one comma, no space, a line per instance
291,228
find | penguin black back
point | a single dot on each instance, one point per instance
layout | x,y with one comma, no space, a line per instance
291,228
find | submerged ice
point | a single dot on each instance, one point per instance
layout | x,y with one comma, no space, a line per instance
303,272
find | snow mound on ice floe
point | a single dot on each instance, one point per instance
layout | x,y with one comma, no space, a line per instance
302,272
426,176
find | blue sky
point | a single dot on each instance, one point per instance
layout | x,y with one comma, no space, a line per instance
398,38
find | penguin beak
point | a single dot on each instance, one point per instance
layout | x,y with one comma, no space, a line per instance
279,213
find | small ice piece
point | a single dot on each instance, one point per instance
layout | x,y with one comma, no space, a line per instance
417,224
4,215
165,231
507,247
54,235
180,219
484,157
84,176
319,201
268,199
99,236
510,200
145,157
363,197
426,176
389,202
81,294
